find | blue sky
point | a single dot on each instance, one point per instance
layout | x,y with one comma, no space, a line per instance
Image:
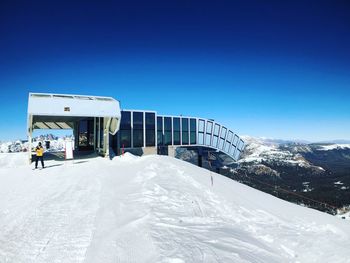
265,68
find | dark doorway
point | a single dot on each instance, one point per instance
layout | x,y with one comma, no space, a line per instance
86,135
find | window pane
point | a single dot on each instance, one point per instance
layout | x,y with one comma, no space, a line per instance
138,138
193,131
125,138
216,129
227,146
138,120
229,137
235,140
193,125
125,122
150,120
221,144
215,141
208,139
159,123
184,124
160,138
236,155
167,124
232,151
150,129
200,138
184,137
176,124
209,126
150,138
176,138
167,138
201,125
241,145
223,132
138,129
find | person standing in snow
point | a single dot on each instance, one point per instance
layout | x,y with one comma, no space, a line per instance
39,155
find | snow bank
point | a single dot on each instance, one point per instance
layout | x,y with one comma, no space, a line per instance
11,160
155,209
126,157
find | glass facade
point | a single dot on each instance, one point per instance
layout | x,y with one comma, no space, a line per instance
146,129
137,129
167,131
176,131
150,129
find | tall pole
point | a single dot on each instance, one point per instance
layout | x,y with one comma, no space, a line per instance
30,131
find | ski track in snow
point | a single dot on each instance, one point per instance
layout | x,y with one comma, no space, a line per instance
154,209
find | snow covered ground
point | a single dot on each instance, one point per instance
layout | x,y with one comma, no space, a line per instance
154,209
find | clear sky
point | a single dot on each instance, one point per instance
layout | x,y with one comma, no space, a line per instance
277,69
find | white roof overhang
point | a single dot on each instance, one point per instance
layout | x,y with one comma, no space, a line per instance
59,111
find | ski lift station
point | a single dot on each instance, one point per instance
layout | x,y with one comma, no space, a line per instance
100,125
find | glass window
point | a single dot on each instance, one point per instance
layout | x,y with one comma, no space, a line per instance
150,129
236,155
138,129
200,138
159,130
125,138
241,145
125,122
176,123
229,137
193,131
216,129
227,146
223,132
209,127
215,141
138,138
184,131
201,126
208,139
208,133
221,143
167,131
138,120
235,140
125,129
184,124
232,151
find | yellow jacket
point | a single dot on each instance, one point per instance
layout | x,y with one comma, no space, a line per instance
39,151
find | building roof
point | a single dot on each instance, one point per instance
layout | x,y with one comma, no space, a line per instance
45,104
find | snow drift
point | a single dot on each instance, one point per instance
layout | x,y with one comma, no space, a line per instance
155,209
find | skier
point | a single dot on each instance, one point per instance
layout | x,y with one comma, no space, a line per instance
39,155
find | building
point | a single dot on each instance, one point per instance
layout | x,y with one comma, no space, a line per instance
100,125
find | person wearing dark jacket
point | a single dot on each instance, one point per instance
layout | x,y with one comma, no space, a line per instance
39,155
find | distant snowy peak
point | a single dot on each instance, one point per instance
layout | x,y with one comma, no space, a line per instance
334,147
264,150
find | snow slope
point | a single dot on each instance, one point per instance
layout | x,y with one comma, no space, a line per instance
155,209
